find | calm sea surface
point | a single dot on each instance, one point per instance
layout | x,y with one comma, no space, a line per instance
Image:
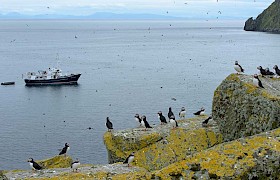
127,67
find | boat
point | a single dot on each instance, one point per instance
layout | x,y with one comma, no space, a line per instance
8,83
52,76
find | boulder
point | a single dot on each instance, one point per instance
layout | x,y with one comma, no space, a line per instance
242,109
161,146
255,157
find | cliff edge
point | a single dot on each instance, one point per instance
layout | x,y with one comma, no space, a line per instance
267,21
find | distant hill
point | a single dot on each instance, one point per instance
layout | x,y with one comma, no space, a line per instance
98,15
267,21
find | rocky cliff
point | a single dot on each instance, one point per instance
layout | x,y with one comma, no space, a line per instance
268,20
241,109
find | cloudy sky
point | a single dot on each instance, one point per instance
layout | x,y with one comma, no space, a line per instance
177,8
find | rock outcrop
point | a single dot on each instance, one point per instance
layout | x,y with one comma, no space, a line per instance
161,146
256,157
241,109
268,20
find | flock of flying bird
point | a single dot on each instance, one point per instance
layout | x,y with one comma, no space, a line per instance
264,72
142,121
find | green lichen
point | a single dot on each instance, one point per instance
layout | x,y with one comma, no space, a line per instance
56,162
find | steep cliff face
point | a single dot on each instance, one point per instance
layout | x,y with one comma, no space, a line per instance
241,109
268,20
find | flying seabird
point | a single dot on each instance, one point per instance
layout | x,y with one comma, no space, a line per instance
145,122
33,164
65,149
138,119
238,68
277,71
200,112
129,159
109,124
75,165
262,71
182,113
170,113
205,122
173,122
161,118
257,82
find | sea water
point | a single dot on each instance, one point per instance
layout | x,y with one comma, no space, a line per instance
127,67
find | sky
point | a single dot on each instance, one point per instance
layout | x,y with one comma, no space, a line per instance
176,8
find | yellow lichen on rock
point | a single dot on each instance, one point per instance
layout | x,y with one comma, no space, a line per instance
56,162
228,160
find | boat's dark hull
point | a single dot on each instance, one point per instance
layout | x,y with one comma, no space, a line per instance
7,83
71,79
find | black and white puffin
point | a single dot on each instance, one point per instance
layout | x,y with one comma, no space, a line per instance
173,122
200,112
268,72
161,118
138,119
205,122
277,71
182,113
238,68
257,82
170,113
75,165
109,124
145,122
33,164
129,159
65,149
262,71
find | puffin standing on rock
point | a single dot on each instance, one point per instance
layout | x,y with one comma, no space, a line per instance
182,113
262,71
34,165
173,122
145,123
205,122
138,119
200,112
170,113
129,159
277,71
65,149
75,165
109,124
161,118
238,68
257,82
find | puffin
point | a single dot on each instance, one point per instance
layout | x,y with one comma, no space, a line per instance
173,122
262,71
170,113
161,118
145,122
257,82
138,119
33,164
205,122
129,159
75,165
182,113
238,68
65,149
109,124
268,72
200,112
277,71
